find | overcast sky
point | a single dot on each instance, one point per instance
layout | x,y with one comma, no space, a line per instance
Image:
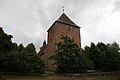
28,20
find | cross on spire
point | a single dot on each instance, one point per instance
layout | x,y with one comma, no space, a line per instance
63,9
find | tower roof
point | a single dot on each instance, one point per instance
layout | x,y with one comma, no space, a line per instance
65,19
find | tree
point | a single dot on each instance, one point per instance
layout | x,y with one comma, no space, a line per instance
112,58
6,46
14,58
30,61
105,57
95,56
69,57
20,48
91,65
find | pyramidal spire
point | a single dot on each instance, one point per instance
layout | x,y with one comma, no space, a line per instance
64,19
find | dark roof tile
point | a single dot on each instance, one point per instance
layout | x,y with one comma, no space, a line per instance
64,19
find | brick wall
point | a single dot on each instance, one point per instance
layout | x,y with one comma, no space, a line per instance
54,33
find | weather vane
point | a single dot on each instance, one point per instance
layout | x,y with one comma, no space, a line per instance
63,9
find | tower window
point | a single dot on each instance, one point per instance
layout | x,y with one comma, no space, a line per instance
69,28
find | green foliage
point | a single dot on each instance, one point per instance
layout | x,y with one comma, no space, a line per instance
20,48
69,57
105,57
30,61
14,58
112,58
6,44
90,63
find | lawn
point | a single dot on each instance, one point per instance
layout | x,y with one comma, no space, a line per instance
108,78
49,75
60,78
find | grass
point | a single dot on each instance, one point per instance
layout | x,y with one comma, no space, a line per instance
49,73
91,71
2,77
21,74
112,77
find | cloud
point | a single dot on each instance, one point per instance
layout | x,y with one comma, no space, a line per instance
117,5
110,26
28,20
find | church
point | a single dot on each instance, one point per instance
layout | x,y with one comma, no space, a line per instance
62,26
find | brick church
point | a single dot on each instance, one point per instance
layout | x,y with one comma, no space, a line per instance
62,26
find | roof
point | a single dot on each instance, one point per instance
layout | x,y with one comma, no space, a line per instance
42,49
65,20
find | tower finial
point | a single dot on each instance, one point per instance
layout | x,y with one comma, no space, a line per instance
63,9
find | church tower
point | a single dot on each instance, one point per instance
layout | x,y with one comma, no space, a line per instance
62,26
